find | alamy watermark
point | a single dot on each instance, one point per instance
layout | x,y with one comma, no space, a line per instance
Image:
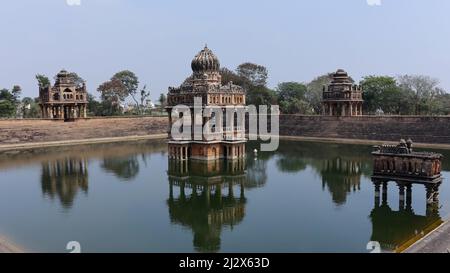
73,247
215,123
374,2
73,2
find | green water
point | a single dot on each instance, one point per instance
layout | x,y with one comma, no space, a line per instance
128,197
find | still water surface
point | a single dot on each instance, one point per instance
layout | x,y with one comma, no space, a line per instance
306,197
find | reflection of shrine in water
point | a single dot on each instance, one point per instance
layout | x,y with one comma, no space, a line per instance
63,178
125,168
397,230
341,176
207,200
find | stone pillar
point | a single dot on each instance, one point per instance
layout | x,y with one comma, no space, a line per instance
207,194
219,192
230,189
170,189
385,193
351,109
432,199
408,197
401,188
330,109
182,192
377,194
85,111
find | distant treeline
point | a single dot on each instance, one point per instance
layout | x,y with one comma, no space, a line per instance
383,95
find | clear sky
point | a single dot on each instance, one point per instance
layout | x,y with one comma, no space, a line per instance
296,39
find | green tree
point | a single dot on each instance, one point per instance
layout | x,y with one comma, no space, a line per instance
230,76
79,81
94,107
10,101
7,109
443,104
261,95
422,92
296,106
130,82
43,81
162,102
291,97
30,108
16,91
253,74
381,93
314,92
291,90
113,93
6,95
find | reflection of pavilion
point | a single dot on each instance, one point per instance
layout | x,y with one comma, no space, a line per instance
206,199
396,230
341,176
63,178
125,168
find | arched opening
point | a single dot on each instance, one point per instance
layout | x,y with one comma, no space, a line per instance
56,96
68,94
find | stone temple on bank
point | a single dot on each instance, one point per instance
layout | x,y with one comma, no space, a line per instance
342,97
65,100
206,83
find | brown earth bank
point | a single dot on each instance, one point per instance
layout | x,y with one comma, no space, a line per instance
367,129
35,131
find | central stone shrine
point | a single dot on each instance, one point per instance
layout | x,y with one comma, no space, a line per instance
205,85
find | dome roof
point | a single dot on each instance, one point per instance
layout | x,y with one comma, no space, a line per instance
341,76
63,73
205,61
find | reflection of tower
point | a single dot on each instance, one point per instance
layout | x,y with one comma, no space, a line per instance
256,173
207,200
396,230
341,176
62,178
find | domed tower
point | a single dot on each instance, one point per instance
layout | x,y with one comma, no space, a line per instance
223,141
206,67
342,97
66,100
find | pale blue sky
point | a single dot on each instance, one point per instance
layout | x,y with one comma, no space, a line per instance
296,39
